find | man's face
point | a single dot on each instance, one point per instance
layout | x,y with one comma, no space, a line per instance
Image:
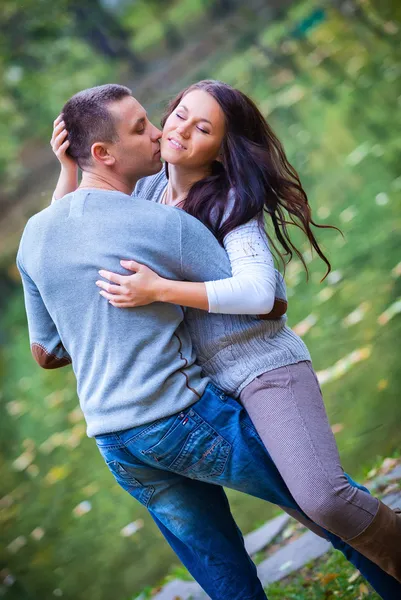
137,149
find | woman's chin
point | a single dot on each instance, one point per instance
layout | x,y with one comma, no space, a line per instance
170,158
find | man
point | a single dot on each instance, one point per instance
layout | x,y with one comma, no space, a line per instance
165,432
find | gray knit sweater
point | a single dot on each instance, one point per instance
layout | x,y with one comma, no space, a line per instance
136,365
232,349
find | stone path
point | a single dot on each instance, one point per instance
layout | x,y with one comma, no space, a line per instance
260,538
284,561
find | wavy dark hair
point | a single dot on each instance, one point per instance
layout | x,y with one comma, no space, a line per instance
253,164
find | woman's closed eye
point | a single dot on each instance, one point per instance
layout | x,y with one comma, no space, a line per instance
197,127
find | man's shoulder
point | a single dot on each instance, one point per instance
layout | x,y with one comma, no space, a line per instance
33,230
150,187
197,237
41,217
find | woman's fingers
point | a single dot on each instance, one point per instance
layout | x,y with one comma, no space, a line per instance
114,290
59,134
119,301
63,133
121,304
63,147
114,277
130,265
107,295
57,129
59,140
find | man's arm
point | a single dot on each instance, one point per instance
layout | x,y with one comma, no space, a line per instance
46,346
202,257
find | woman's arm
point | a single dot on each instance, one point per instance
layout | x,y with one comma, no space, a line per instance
68,179
250,290
146,286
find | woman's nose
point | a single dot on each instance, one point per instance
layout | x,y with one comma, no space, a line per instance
183,130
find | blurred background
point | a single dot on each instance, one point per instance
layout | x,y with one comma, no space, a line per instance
326,74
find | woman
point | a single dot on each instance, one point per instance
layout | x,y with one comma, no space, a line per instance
226,167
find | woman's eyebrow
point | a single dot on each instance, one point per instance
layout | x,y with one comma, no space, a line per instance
201,118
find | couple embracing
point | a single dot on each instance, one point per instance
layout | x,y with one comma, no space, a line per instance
188,376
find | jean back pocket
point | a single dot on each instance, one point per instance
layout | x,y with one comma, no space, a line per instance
192,448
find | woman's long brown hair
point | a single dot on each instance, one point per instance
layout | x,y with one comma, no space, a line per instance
254,166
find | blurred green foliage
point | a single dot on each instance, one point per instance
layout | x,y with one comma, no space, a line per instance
330,88
50,50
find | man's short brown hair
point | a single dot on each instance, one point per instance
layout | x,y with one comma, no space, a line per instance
88,120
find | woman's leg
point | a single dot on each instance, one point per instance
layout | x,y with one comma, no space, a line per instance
287,410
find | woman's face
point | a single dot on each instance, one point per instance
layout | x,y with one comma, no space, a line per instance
193,133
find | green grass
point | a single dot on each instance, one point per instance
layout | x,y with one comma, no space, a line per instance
329,577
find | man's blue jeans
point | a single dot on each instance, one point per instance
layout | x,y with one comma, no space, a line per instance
169,466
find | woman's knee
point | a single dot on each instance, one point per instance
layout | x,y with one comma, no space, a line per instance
326,507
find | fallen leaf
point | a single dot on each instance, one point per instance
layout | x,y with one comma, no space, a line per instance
363,590
325,579
382,384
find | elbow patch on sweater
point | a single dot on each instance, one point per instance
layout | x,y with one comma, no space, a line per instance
279,309
46,359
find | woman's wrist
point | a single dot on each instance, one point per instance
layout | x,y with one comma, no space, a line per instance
163,290
184,293
70,171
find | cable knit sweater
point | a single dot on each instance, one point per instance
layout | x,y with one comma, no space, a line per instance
233,349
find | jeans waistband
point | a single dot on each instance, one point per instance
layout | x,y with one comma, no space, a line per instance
108,439
213,388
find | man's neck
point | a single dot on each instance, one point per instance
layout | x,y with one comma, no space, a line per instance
106,182
180,182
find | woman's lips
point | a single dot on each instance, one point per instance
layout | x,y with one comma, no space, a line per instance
174,144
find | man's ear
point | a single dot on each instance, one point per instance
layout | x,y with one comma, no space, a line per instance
100,153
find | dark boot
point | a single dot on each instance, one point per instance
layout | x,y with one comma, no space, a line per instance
381,541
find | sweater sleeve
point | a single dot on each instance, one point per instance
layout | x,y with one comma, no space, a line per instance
252,287
46,345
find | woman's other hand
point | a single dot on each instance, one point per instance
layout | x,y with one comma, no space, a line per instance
59,143
139,289
68,179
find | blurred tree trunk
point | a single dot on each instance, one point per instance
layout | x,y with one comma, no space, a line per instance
172,36
99,28
220,8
